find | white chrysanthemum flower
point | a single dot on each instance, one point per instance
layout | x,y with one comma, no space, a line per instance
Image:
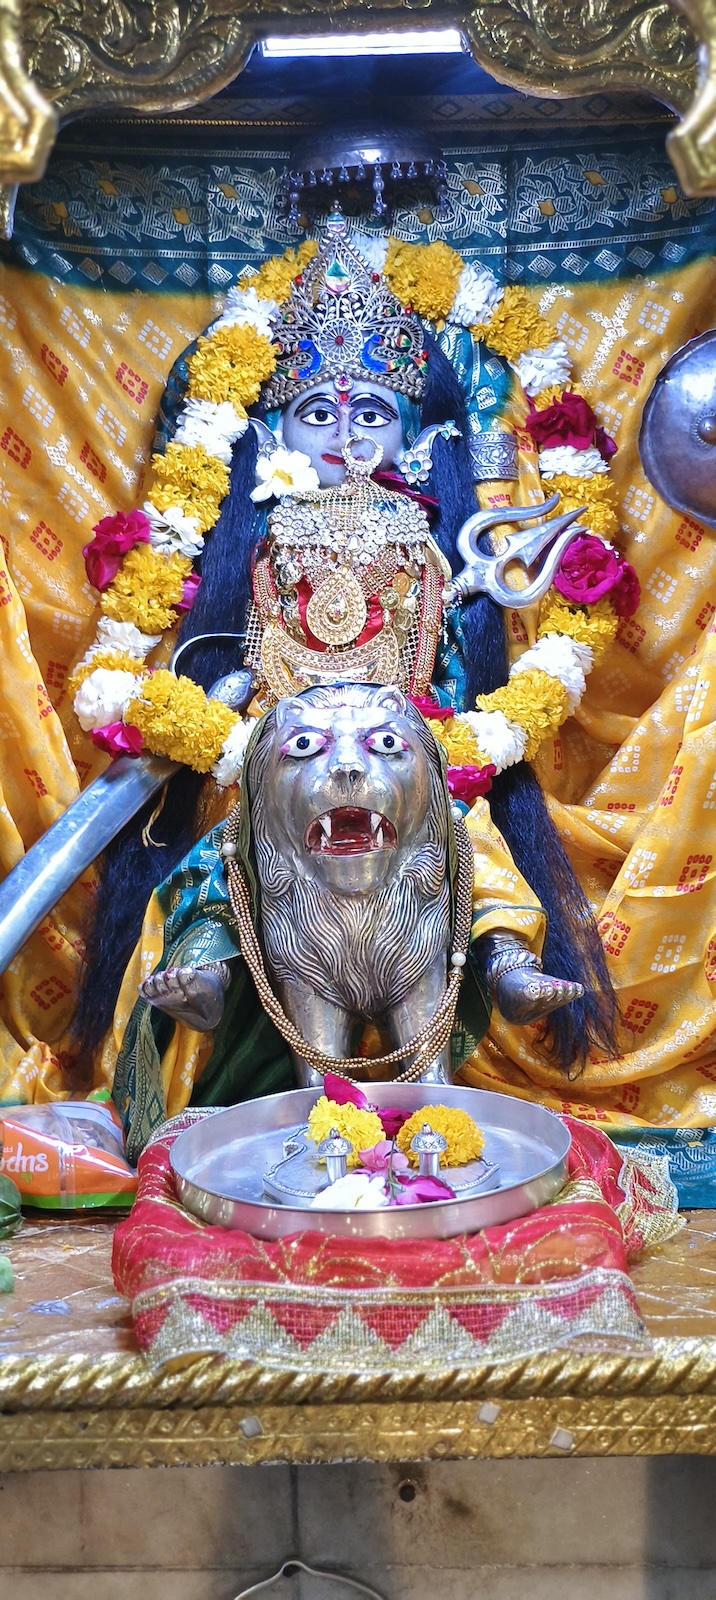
537,369
373,247
228,768
357,1191
284,472
244,305
104,697
170,530
215,427
477,294
556,655
502,742
124,636
576,463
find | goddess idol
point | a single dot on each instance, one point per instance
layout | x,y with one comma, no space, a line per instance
317,459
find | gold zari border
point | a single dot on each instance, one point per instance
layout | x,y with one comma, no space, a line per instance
104,1411
75,56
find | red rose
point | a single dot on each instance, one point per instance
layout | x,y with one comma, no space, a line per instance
466,783
588,570
626,594
113,537
568,421
118,739
188,593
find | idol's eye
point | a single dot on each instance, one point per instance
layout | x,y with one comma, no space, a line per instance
385,743
318,416
301,745
368,417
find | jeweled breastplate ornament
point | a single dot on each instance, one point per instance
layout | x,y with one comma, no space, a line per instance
350,587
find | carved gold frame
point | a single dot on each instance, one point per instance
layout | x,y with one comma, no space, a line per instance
62,58
113,1411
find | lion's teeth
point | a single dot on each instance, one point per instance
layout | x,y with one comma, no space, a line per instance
325,822
379,838
375,820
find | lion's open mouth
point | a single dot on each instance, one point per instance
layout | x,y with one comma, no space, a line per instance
350,831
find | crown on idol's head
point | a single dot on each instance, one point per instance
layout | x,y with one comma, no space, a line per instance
341,322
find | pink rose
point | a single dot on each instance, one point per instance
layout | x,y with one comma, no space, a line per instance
381,1156
588,570
431,708
118,739
344,1093
626,594
466,783
188,594
415,1191
113,537
391,1118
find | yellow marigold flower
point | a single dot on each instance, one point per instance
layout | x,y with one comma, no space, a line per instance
187,476
516,325
146,589
554,391
177,719
598,494
465,1141
459,741
595,625
231,364
533,699
273,280
424,276
363,1128
113,660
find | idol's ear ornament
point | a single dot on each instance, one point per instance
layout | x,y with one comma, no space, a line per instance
486,574
415,464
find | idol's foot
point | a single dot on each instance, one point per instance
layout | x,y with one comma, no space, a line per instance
194,995
525,994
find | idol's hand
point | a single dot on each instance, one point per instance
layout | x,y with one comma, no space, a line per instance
525,995
193,995
522,991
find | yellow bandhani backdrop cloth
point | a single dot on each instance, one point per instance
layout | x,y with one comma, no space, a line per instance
120,258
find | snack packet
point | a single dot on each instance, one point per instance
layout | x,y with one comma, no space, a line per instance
66,1156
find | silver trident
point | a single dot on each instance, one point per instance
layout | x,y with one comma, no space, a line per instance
486,574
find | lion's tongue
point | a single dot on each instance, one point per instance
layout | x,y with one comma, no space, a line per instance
351,831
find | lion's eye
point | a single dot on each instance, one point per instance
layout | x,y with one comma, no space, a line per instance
386,743
301,745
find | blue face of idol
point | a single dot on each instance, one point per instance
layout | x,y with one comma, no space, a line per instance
322,420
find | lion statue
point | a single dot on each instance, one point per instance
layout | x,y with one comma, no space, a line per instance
352,837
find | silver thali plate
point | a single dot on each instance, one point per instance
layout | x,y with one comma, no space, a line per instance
220,1162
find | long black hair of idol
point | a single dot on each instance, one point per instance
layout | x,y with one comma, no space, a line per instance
133,865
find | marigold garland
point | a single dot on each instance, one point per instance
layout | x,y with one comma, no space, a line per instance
534,700
597,494
465,1141
273,280
147,589
458,740
595,625
231,364
113,660
187,476
178,720
423,276
516,325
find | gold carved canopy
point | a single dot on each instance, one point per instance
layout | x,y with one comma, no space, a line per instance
61,58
